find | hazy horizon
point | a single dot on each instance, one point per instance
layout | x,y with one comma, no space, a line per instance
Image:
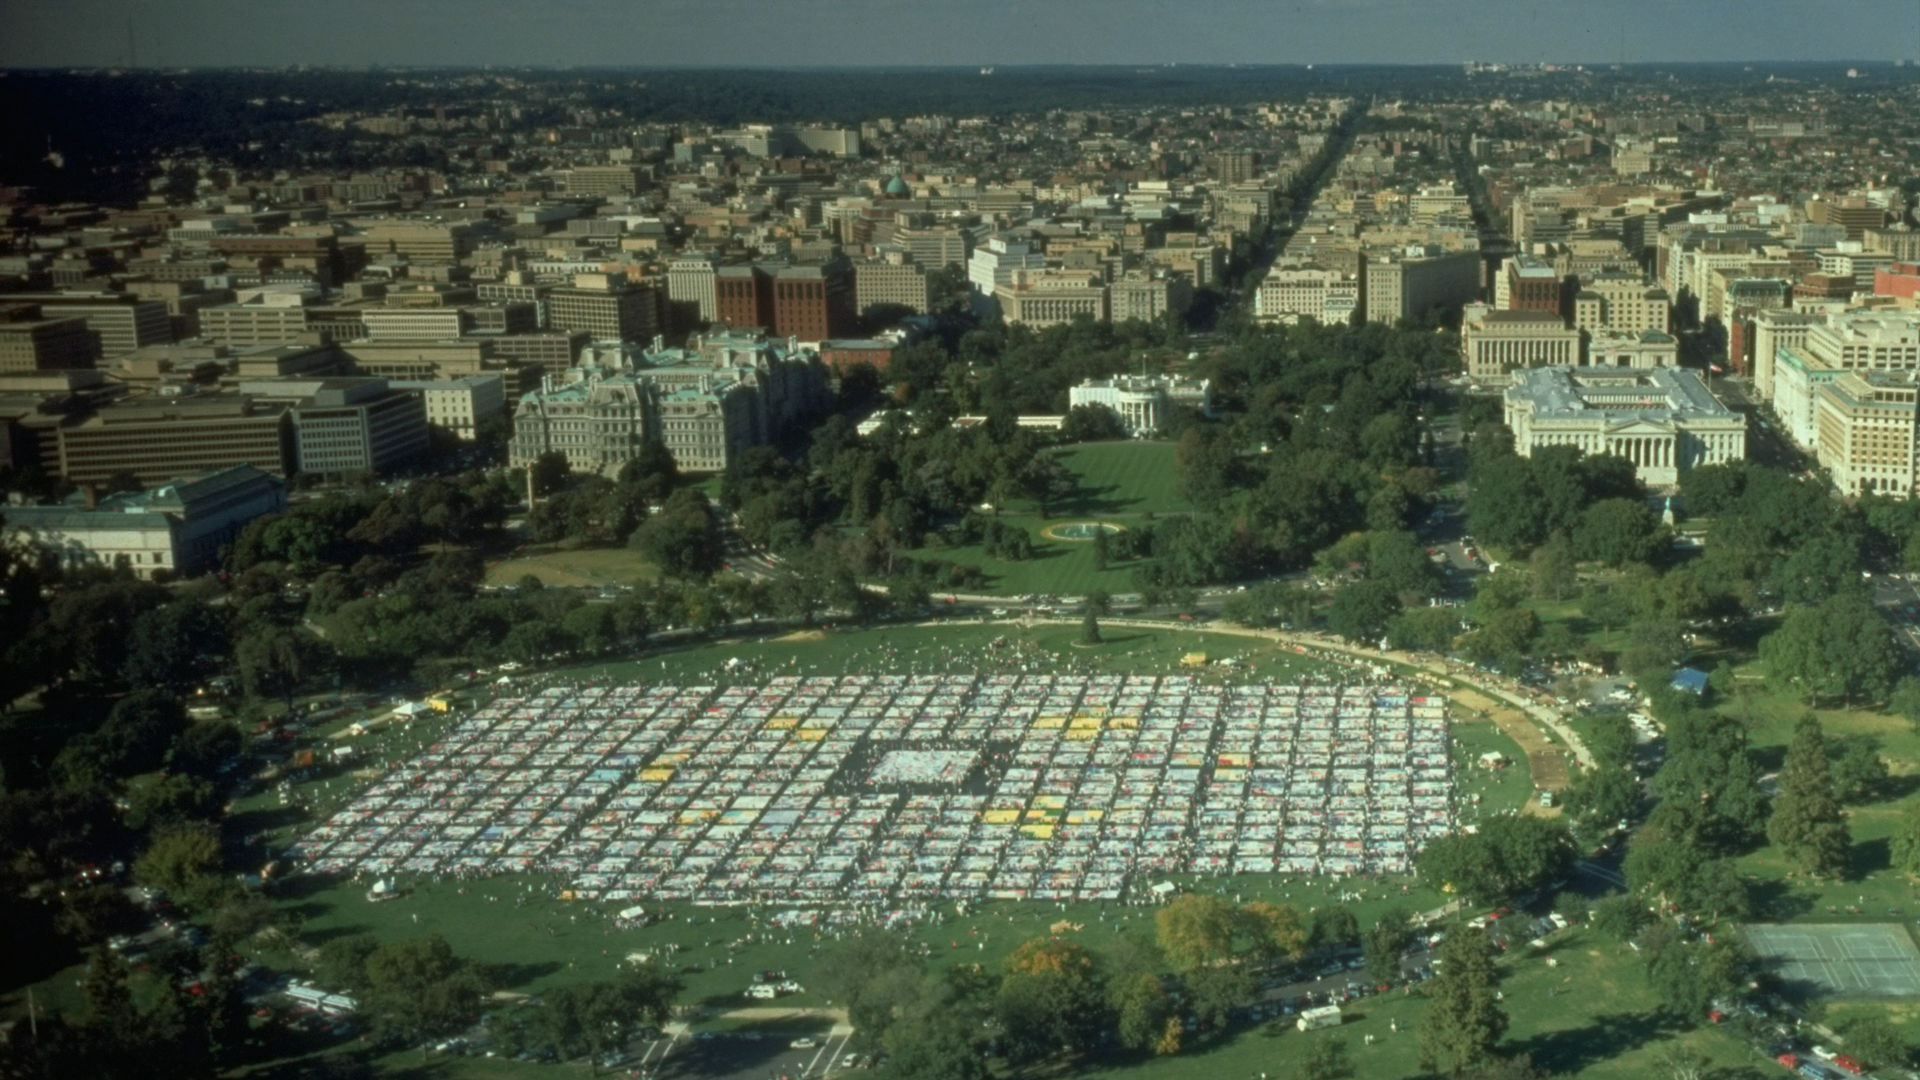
899,34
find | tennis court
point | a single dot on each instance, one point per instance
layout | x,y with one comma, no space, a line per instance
1877,960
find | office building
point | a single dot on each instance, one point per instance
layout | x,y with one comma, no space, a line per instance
607,307
1043,298
458,406
30,341
1771,331
414,324
348,425
1617,301
177,528
1864,432
813,302
1147,297
119,322
1663,420
1287,296
1411,285
895,280
691,281
605,180
157,438
264,319
1528,284
993,265
1620,348
1496,343
743,297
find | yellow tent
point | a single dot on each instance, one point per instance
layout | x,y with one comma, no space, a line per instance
782,723
1048,723
656,776
1194,659
1083,722
1083,734
1000,817
809,735
1051,802
1129,723
1038,832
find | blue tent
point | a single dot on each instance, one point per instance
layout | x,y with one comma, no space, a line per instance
1692,680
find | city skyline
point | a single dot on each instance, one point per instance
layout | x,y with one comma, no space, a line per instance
890,33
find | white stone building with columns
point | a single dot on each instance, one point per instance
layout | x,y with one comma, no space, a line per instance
1663,420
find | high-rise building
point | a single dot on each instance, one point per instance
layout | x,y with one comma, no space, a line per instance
690,280
1232,166
1855,214
743,297
813,302
1620,301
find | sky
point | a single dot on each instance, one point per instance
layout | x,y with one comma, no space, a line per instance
896,33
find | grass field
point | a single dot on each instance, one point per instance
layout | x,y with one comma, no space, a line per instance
565,566
1121,482
1122,478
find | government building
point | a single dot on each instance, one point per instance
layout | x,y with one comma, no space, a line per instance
1663,420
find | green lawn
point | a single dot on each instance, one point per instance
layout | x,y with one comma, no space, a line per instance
566,566
1122,478
1058,567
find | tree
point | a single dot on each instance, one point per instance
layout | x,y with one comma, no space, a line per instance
1553,570
1842,648
683,539
1361,611
1049,1000
1619,917
1617,532
1875,1041
1326,1059
416,988
869,972
1688,976
1195,930
1276,929
1090,627
1141,1009
1383,943
1807,823
178,857
1858,771
274,662
550,472
1599,798
1464,1018
1904,846
1213,993
170,646
1334,927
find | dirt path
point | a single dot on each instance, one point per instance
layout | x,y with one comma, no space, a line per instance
1546,760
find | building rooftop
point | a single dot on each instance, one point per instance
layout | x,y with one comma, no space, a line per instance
1656,393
